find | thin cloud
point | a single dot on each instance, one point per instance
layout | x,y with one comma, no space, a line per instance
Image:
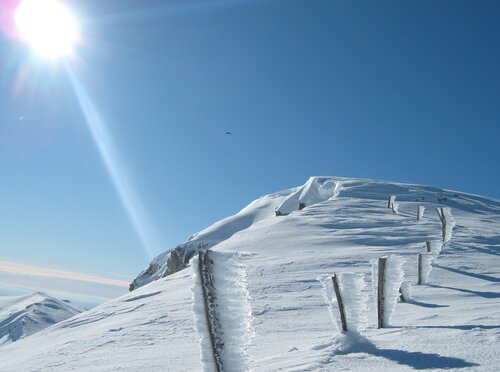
20,269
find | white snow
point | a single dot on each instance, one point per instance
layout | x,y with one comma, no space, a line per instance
315,190
22,316
452,323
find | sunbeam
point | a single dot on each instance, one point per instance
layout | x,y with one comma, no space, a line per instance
116,170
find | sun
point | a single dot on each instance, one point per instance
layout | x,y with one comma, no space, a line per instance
48,26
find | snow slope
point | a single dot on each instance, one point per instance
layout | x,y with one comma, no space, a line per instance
22,316
451,322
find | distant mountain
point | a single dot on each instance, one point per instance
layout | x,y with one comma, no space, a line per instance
22,316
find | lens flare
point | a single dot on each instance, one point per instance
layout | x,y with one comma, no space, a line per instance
47,26
116,170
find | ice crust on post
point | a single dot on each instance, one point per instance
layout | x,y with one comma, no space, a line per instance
425,266
449,223
353,297
394,276
231,310
406,290
420,212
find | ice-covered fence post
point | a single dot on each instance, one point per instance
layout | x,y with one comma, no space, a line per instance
209,298
387,277
442,218
343,293
380,291
391,201
420,212
420,268
222,311
339,302
424,267
428,247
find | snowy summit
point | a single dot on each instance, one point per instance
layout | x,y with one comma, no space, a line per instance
22,316
416,270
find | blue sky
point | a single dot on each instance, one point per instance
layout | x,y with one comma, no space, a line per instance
398,90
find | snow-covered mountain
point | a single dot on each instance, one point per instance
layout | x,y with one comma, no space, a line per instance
22,316
327,226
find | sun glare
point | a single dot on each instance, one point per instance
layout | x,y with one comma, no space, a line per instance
47,26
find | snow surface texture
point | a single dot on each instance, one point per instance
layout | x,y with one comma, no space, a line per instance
394,276
22,316
231,312
353,298
451,324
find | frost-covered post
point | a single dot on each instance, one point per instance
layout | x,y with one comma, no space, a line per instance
387,277
343,293
222,312
420,212
390,203
424,267
428,247
336,288
209,297
380,292
442,218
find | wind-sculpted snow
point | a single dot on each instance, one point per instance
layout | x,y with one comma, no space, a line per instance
394,276
426,262
353,297
450,224
407,290
229,313
315,190
451,324
22,316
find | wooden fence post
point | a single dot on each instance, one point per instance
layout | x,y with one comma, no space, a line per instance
391,201
340,302
420,212
442,217
428,246
381,291
209,299
420,267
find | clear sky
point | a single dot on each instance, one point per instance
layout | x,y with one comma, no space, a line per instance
406,91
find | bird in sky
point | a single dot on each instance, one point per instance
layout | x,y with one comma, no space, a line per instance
228,133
